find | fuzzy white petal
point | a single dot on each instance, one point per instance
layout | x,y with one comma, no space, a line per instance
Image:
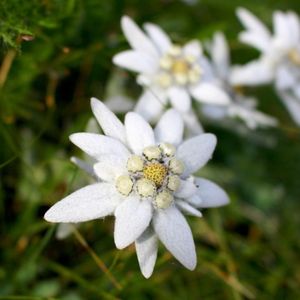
97,145
196,152
220,55
91,202
110,167
108,121
253,73
64,230
149,106
211,194
139,133
83,165
210,93
180,98
136,37
133,216
193,48
136,61
188,209
175,233
158,36
187,189
146,250
292,104
170,127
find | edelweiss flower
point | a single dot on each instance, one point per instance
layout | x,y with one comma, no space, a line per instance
241,107
146,183
171,72
280,56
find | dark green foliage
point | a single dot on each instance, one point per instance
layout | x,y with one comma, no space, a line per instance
60,54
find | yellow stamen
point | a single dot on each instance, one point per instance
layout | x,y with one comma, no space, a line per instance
155,172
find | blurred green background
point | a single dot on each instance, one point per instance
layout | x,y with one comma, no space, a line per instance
54,56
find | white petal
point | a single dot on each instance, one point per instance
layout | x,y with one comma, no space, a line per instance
285,78
175,233
136,37
187,189
196,151
83,165
63,230
110,167
149,106
179,98
211,194
253,73
132,218
89,203
108,121
210,93
169,128
257,33
158,36
292,104
146,250
220,54
188,209
192,123
119,104
136,61
281,27
139,133
97,145
193,48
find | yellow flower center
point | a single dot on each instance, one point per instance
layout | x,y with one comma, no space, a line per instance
180,66
294,57
156,173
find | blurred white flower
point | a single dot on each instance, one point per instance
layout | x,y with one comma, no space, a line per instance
280,56
146,183
240,106
172,73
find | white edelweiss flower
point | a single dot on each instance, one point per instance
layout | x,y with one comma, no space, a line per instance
171,73
146,181
279,61
66,229
241,107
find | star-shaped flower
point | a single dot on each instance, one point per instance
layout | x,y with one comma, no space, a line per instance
146,182
172,73
280,56
241,106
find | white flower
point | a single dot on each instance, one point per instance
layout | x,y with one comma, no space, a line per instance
241,107
146,183
280,56
171,72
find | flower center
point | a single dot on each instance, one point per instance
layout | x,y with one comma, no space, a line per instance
155,172
176,67
180,66
294,56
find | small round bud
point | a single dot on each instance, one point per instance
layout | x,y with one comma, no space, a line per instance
190,58
176,166
173,183
145,187
135,163
166,62
164,80
163,200
152,152
181,78
124,185
194,76
167,149
175,50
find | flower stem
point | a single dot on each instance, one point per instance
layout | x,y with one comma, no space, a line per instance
96,258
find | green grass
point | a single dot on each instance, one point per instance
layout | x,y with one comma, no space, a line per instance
247,250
